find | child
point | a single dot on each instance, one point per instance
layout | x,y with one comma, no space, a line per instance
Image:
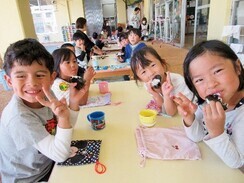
134,36
119,31
69,46
97,40
28,146
211,67
123,41
89,45
145,65
135,18
80,49
66,66
144,28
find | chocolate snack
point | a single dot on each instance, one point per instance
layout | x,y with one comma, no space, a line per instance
79,80
216,97
156,82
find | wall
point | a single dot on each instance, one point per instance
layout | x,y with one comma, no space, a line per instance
76,9
121,11
16,23
219,16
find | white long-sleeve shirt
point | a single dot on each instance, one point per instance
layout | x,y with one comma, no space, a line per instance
229,146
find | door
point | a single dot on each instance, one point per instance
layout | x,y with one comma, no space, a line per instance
201,21
170,16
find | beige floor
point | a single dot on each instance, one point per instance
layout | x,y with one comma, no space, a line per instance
174,56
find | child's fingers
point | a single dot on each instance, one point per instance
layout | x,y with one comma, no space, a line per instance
42,101
47,93
168,77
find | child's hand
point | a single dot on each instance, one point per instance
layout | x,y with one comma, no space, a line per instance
155,93
59,108
76,95
120,59
89,74
214,117
167,86
97,50
185,108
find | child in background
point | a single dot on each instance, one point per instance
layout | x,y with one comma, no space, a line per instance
119,31
211,67
66,66
80,50
28,146
123,41
146,64
144,28
134,36
69,46
114,34
89,45
97,40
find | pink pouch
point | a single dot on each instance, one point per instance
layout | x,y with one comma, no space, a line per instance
165,144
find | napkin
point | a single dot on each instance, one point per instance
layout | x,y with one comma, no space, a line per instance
83,152
165,144
99,100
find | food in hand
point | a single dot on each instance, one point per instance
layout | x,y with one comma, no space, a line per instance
156,82
79,80
216,97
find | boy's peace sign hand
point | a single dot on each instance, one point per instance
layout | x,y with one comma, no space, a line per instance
59,107
167,86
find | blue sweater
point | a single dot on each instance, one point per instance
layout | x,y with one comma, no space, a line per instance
129,50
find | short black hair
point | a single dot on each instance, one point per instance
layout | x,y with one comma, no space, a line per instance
123,36
80,23
94,35
25,52
65,45
78,35
135,31
137,9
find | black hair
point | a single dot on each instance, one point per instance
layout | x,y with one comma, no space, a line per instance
120,29
65,45
78,35
144,19
123,36
128,27
135,31
137,8
60,55
80,23
214,47
139,59
94,35
25,52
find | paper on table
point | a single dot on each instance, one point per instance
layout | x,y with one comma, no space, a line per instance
99,100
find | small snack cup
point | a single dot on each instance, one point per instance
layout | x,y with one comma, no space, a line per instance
148,117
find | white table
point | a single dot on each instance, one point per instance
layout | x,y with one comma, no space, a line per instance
119,150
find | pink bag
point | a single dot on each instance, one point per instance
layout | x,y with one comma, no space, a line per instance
165,144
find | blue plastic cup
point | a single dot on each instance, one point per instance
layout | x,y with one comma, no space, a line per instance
97,120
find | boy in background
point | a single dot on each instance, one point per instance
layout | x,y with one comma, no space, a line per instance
35,128
135,44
